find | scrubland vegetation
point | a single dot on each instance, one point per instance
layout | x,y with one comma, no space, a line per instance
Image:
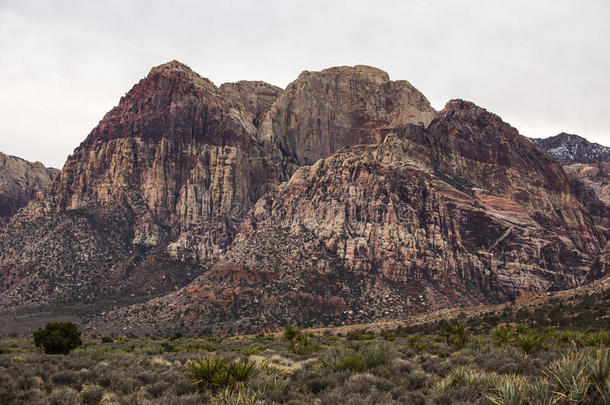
556,353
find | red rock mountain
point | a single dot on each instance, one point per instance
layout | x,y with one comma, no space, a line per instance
344,198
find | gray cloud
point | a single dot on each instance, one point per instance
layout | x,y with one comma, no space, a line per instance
542,66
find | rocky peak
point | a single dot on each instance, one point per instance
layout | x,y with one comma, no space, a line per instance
171,101
567,149
321,112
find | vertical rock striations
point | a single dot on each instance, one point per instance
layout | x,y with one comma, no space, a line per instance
464,211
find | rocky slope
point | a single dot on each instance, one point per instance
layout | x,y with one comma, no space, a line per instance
594,175
20,180
464,211
159,188
567,149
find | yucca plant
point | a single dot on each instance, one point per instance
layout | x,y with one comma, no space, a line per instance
236,397
568,378
598,369
377,354
240,372
539,392
215,374
443,385
504,335
528,343
467,376
202,373
510,390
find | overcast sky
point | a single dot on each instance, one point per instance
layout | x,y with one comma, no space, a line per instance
543,66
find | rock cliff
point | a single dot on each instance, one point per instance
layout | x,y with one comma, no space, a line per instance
169,174
20,180
464,211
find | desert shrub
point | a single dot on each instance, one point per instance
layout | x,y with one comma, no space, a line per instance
67,377
91,394
457,335
107,339
158,389
353,362
359,335
253,349
58,337
358,358
63,396
388,335
199,347
416,342
176,336
298,342
168,347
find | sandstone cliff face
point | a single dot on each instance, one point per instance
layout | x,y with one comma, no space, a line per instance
171,172
20,180
464,211
321,112
594,175
163,174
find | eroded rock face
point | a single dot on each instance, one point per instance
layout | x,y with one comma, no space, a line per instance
594,175
171,173
20,180
464,211
165,172
321,112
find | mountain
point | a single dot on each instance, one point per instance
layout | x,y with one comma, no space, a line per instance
463,211
344,198
20,180
158,189
567,149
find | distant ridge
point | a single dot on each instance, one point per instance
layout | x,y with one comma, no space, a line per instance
567,149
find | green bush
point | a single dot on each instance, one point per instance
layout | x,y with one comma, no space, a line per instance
107,339
457,335
58,337
353,362
299,342
358,358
